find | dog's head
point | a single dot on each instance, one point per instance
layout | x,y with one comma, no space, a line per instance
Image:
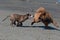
30,15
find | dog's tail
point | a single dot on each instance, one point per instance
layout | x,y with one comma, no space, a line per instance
56,23
5,18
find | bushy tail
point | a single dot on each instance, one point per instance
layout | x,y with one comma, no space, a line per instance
55,23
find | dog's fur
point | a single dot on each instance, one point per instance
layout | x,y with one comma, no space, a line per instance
21,19
42,15
17,19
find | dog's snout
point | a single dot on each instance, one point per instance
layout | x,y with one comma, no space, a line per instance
31,15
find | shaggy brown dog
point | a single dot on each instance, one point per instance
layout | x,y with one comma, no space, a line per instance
42,15
37,15
17,19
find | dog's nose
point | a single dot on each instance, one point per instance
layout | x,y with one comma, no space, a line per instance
31,15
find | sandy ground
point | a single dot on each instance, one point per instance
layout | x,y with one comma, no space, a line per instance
28,32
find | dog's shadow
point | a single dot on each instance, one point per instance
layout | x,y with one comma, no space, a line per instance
44,27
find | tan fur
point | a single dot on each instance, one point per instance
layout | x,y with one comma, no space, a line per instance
37,14
17,18
47,19
36,17
41,9
43,16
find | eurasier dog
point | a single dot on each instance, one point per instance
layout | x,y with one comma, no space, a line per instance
42,15
17,19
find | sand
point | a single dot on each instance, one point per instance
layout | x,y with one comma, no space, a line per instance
28,32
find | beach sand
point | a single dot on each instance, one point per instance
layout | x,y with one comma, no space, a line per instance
28,32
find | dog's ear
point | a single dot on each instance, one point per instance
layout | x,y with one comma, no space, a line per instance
28,14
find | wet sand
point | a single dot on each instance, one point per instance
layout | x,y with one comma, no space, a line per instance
28,32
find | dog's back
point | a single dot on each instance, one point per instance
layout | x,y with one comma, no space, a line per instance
46,18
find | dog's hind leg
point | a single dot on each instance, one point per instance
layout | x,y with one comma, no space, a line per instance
11,23
46,24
